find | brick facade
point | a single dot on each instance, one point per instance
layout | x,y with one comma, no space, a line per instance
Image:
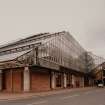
40,81
7,81
17,81
12,80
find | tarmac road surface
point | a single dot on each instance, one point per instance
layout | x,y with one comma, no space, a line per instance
93,96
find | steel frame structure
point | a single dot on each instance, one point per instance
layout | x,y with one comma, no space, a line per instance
49,50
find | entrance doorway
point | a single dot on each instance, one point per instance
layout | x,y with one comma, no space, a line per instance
58,79
104,81
69,80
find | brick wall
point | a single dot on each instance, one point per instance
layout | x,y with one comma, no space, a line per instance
17,81
8,81
13,80
40,81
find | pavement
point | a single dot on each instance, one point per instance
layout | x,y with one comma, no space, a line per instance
81,96
15,96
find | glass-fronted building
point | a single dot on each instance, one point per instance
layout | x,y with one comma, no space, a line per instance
43,62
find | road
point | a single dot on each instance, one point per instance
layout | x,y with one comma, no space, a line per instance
95,96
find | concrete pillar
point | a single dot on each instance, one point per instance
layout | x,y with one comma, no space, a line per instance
89,82
26,79
73,80
82,82
53,82
0,80
65,80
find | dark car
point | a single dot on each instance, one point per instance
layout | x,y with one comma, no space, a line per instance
100,83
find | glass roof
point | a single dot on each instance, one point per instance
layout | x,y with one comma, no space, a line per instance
12,56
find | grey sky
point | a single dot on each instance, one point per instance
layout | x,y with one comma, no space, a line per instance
84,19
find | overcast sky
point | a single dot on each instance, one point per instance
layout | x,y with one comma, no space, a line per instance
84,19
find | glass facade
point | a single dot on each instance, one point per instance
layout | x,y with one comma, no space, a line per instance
53,50
64,50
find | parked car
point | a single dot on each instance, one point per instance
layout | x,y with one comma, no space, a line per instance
100,83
